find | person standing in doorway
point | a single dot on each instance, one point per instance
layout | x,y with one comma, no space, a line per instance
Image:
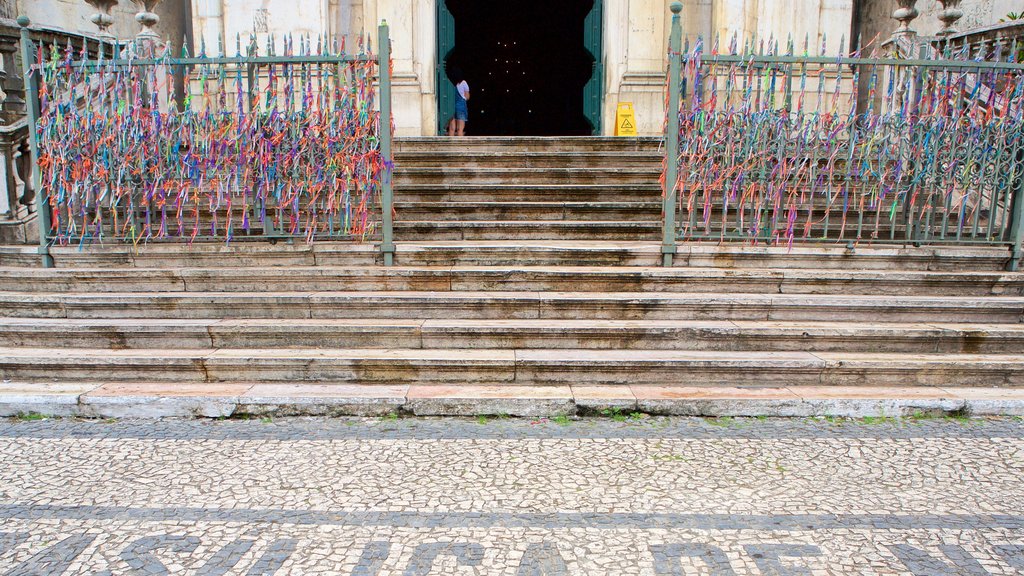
457,125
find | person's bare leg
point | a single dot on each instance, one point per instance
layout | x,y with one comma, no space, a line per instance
451,127
460,127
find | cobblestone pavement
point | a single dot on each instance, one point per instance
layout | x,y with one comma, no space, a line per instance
517,497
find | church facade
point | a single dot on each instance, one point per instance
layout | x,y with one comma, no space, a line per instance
534,67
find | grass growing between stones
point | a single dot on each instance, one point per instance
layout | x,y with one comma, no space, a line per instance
29,416
617,415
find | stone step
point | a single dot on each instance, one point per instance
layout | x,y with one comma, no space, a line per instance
531,212
512,279
507,366
99,399
19,255
516,305
483,176
543,159
420,230
878,256
457,192
157,334
253,253
516,145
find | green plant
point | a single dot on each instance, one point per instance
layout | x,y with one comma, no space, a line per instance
722,421
669,458
390,417
481,419
1011,16
877,420
614,413
29,416
266,420
561,420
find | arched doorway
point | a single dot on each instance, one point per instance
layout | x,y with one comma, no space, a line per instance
533,66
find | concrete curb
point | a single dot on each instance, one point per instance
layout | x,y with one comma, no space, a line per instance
161,400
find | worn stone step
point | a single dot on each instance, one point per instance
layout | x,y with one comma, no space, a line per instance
161,400
418,230
444,175
519,144
535,212
457,192
879,256
512,278
525,159
19,255
131,333
516,305
519,367
533,252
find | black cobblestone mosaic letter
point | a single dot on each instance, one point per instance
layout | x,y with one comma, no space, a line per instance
140,558
467,554
226,558
9,540
372,558
273,558
1012,554
922,563
542,559
668,559
54,559
768,558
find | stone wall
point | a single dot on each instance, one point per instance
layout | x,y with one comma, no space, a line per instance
74,16
876,16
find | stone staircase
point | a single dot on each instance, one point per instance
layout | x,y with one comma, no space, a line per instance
527,281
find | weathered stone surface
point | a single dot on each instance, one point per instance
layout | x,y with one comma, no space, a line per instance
322,400
49,399
719,401
466,400
162,400
604,399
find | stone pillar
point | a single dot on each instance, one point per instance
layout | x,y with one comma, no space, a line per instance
102,18
635,46
905,14
950,13
413,50
13,106
147,19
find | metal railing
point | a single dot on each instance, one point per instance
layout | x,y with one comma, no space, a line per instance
139,145
774,145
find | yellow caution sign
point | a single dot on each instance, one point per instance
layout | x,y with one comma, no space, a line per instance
625,120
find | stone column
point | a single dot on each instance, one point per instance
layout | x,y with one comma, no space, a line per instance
635,53
413,48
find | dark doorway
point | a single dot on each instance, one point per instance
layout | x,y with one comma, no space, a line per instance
526,64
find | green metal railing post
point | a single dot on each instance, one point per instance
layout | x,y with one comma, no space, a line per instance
387,245
1017,222
668,240
32,106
